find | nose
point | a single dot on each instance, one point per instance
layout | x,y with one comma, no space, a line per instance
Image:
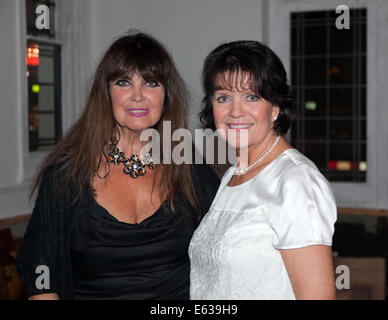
237,109
137,93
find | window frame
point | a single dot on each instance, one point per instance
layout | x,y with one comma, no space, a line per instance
372,193
57,82
31,159
328,88
73,27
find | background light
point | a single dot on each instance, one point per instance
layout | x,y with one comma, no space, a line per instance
35,88
310,105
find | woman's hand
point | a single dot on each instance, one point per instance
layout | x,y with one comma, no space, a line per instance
311,272
46,296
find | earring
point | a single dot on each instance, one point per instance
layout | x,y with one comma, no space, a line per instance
275,118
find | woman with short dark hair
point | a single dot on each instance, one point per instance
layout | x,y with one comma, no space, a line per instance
269,230
108,222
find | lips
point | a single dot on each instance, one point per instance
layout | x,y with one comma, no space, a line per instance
137,112
239,126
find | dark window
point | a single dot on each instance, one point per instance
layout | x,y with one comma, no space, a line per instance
44,81
328,70
43,94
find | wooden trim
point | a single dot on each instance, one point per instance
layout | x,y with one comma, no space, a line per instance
14,220
364,211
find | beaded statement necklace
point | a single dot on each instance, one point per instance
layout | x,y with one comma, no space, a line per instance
241,171
133,166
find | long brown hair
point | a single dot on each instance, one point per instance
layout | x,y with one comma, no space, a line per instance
80,152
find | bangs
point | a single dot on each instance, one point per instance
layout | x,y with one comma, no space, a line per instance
234,70
147,59
238,80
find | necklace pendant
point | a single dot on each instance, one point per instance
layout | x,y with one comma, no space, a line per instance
151,165
116,156
134,167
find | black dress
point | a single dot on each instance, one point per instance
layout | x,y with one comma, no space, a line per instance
91,255
148,260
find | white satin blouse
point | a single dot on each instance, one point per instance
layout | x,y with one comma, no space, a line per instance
234,252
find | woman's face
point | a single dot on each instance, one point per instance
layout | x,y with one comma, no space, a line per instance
137,104
240,112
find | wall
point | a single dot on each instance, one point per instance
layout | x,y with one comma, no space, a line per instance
10,162
13,190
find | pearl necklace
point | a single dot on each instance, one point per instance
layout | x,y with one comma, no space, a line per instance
241,171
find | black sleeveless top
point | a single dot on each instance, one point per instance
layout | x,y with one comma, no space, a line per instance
149,260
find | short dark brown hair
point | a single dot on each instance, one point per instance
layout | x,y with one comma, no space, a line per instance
265,70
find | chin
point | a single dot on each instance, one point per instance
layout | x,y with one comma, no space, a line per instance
239,146
237,140
140,125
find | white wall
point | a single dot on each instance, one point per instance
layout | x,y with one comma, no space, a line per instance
10,68
13,190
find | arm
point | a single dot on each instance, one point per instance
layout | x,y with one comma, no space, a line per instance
40,243
47,296
311,272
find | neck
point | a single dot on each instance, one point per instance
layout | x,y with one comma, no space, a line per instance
249,155
130,142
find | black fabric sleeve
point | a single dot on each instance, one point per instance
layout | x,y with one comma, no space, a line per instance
40,243
206,183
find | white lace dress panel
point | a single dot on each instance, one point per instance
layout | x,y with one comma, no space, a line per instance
234,252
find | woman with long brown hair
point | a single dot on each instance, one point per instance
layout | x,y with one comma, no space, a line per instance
108,222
